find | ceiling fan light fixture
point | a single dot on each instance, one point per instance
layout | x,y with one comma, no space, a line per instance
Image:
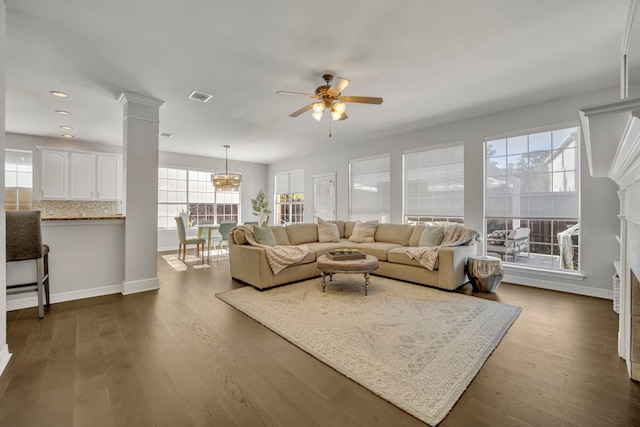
337,110
317,116
226,182
318,108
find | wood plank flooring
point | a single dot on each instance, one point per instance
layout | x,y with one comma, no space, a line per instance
180,357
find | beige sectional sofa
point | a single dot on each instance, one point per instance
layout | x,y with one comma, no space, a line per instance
249,263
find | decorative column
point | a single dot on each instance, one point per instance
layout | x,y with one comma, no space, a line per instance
140,158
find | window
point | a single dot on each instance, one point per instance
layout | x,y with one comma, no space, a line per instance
183,190
532,181
18,179
369,196
434,184
289,197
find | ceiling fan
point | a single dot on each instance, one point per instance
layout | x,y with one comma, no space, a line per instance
329,97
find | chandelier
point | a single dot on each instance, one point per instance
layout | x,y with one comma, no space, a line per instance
226,181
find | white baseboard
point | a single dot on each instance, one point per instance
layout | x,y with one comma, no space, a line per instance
4,358
556,285
31,299
144,285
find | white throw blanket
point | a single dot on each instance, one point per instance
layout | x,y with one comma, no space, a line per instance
454,235
279,257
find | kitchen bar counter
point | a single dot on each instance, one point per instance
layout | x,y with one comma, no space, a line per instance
85,218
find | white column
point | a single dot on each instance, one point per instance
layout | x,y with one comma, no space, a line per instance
140,157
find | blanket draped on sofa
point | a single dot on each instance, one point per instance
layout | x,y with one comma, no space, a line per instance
279,257
454,235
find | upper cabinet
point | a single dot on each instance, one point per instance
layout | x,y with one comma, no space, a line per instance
54,174
79,175
108,177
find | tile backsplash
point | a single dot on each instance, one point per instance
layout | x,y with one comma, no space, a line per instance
74,208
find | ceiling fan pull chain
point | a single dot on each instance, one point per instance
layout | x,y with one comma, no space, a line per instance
330,128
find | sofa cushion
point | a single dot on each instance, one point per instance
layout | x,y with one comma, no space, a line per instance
327,231
302,233
340,225
376,249
431,236
264,236
414,240
394,233
497,237
364,232
323,248
399,256
238,237
348,228
280,233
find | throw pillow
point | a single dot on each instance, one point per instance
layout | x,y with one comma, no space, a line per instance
497,237
364,232
431,236
327,232
264,236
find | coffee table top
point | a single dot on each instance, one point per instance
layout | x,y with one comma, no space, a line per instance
365,265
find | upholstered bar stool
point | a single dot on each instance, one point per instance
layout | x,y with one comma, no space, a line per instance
24,242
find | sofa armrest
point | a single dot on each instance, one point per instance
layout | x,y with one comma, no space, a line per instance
452,262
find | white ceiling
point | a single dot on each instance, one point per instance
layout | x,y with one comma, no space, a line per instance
432,62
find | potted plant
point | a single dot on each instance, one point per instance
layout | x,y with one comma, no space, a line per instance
260,207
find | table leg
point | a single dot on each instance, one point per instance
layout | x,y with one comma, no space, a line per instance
323,283
209,245
366,284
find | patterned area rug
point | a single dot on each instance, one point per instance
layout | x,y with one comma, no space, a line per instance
417,347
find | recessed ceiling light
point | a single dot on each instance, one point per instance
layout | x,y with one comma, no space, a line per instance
196,95
66,135
66,127
59,94
166,134
64,113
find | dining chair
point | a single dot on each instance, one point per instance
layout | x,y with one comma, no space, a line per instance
185,240
225,228
23,243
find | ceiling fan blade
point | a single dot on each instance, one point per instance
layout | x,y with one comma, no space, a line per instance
286,92
302,110
361,99
338,86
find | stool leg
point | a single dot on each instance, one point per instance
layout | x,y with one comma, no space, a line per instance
46,279
40,272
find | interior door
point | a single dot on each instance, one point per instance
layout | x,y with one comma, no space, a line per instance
324,196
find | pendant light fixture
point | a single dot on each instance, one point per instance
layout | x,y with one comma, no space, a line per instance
228,182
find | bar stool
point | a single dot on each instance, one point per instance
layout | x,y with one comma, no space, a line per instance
24,242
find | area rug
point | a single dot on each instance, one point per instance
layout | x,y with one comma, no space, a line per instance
179,265
416,347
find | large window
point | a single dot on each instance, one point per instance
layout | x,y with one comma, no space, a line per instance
369,195
533,182
183,190
18,179
289,197
434,184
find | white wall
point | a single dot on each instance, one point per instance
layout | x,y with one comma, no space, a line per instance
254,179
599,198
4,349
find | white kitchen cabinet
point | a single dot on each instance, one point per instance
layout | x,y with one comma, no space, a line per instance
81,176
53,174
107,177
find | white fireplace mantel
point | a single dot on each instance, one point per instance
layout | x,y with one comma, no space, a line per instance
612,141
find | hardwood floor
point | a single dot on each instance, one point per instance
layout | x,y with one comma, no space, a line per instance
180,356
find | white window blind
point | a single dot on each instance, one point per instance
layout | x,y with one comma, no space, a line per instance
533,176
369,189
434,182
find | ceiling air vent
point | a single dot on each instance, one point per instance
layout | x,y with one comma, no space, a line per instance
196,95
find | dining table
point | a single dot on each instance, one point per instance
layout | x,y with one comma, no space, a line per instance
210,229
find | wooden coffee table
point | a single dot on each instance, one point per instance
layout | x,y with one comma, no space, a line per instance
352,266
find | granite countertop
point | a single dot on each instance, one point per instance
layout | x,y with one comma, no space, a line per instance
85,218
